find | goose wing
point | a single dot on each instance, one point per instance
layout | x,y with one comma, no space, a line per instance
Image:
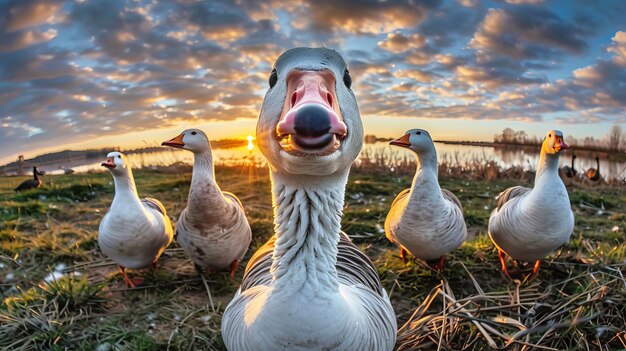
154,204
401,195
448,195
353,266
511,193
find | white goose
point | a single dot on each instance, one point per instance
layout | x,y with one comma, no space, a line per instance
425,220
134,232
529,223
213,229
309,287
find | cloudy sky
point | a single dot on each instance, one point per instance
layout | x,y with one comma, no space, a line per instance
79,74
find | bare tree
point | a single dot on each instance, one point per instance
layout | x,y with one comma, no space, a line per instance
615,137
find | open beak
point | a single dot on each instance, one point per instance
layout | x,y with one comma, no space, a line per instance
404,141
560,144
176,142
109,163
311,121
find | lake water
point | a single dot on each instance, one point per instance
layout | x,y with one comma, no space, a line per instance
450,153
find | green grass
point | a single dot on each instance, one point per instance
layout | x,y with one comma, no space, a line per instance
55,228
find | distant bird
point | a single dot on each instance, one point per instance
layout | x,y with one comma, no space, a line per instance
569,171
67,171
425,220
213,229
593,174
528,224
34,183
134,232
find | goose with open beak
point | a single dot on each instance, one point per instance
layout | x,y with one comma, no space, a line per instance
309,287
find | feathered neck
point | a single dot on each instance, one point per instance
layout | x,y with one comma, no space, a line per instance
204,192
307,218
203,168
426,174
125,190
35,175
547,169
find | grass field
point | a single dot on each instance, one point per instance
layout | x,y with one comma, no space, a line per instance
59,291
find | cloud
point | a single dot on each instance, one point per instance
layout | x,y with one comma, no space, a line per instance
22,39
618,48
528,33
397,42
16,15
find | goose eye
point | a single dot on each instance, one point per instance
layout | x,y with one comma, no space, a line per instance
273,78
549,135
193,133
347,80
119,156
418,133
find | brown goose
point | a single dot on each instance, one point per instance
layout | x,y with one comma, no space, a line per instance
593,174
34,183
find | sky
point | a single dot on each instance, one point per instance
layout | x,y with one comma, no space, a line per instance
131,73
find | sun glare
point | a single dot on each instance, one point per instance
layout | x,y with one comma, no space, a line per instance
250,144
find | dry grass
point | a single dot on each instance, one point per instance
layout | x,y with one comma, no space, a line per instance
59,291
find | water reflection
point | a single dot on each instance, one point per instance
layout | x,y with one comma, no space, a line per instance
449,153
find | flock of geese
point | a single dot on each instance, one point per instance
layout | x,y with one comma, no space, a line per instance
309,287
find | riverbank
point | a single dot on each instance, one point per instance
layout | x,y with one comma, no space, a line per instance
59,290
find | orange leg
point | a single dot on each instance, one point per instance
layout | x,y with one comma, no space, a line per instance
439,265
502,256
154,266
233,268
129,282
403,254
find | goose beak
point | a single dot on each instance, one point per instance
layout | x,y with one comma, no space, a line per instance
560,144
311,121
176,142
403,142
109,163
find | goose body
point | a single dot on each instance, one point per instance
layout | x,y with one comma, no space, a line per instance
34,183
593,174
309,287
425,220
569,171
213,229
528,224
135,232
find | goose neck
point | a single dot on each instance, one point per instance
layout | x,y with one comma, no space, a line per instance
125,190
547,169
203,167
307,217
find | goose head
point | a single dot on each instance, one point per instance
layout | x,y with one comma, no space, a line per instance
193,140
310,122
417,140
553,143
116,163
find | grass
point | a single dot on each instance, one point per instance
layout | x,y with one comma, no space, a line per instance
59,291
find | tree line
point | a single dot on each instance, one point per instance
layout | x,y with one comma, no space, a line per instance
613,141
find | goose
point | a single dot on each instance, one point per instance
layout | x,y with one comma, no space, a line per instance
135,232
569,171
309,287
34,183
593,174
213,229
425,220
528,224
